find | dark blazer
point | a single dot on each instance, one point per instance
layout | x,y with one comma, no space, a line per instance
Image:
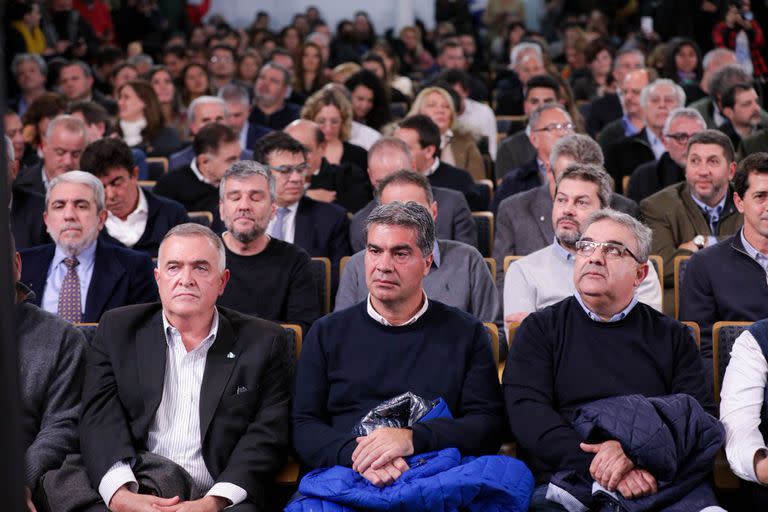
244,400
185,156
707,296
165,143
603,111
525,177
355,155
448,176
109,104
754,143
120,277
653,176
182,186
255,132
322,229
514,151
277,120
30,179
27,224
612,132
351,184
623,157
454,220
163,215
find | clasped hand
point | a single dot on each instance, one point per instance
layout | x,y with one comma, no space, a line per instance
379,455
612,469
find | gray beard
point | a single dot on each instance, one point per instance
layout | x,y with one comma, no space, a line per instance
246,237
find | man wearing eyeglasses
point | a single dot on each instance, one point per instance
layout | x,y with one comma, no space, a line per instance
544,277
653,176
599,343
546,125
321,229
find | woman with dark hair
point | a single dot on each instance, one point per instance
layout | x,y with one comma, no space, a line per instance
682,62
370,104
168,96
310,70
141,123
290,39
195,82
248,65
24,33
599,56
376,64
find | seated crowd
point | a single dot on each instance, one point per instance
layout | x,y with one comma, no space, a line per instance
468,268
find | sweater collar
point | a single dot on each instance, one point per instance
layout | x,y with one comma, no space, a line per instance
621,315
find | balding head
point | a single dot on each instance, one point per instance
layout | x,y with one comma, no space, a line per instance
387,156
309,134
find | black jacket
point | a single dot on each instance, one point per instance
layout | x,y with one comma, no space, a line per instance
653,176
623,157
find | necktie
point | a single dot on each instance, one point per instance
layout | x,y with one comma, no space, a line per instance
277,232
69,295
714,217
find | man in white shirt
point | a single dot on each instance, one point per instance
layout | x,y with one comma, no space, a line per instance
212,396
544,277
136,218
475,115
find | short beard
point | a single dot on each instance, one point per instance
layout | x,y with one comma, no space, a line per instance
75,248
568,238
246,237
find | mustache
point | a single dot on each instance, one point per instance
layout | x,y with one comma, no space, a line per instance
70,225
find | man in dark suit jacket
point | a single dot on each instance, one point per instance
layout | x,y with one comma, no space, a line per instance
422,136
102,276
345,184
321,229
524,220
546,124
76,83
196,186
235,393
454,220
136,218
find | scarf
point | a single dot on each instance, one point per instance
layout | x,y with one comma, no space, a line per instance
34,40
132,131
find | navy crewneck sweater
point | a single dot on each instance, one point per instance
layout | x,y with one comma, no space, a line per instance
560,359
350,363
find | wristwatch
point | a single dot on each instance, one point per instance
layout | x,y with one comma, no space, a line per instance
699,241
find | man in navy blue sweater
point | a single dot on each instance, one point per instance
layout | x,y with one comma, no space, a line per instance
398,340
599,343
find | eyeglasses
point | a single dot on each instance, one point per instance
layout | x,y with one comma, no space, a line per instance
287,170
680,138
216,59
610,250
556,127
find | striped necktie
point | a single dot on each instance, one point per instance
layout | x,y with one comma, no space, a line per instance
69,295
277,231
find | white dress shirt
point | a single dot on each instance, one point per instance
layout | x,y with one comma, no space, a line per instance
198,174
479,118
741,400
289,223
58,270
175,430
128,231
383,321
363,135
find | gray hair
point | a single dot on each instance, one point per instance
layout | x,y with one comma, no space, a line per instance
319,39
536,114
716,54
80,178
686,112
409,215
245,169
191,229
203,100
408,178
651,87
640,232
9,149
582,148
626,50
68,122
726,77
287,75
392,147
24,57
592,174
141,58
233,93
82,65
516,55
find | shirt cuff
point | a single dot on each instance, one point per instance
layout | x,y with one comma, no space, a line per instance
118,475
232,492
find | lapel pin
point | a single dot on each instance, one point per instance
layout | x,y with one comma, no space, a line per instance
230,356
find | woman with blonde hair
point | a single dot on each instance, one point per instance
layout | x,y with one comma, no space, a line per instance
458,146
332,112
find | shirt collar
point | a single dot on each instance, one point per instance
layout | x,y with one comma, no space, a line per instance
445,138
170,331
717,116
753,253
629,128
383,321
621,315
562,251
436,254
708,209
197,173
86,256
141,207
433,167
542,167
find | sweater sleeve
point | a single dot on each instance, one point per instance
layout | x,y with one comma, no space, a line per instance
519,294
483,292
477,425
697,303
529,394
316,442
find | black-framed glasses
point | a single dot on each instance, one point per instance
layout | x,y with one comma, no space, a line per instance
680,138
610,249
287,170
556,127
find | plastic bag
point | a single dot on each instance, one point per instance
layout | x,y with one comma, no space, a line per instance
399,412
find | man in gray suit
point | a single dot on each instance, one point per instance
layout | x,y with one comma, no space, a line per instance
454,221
523,222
